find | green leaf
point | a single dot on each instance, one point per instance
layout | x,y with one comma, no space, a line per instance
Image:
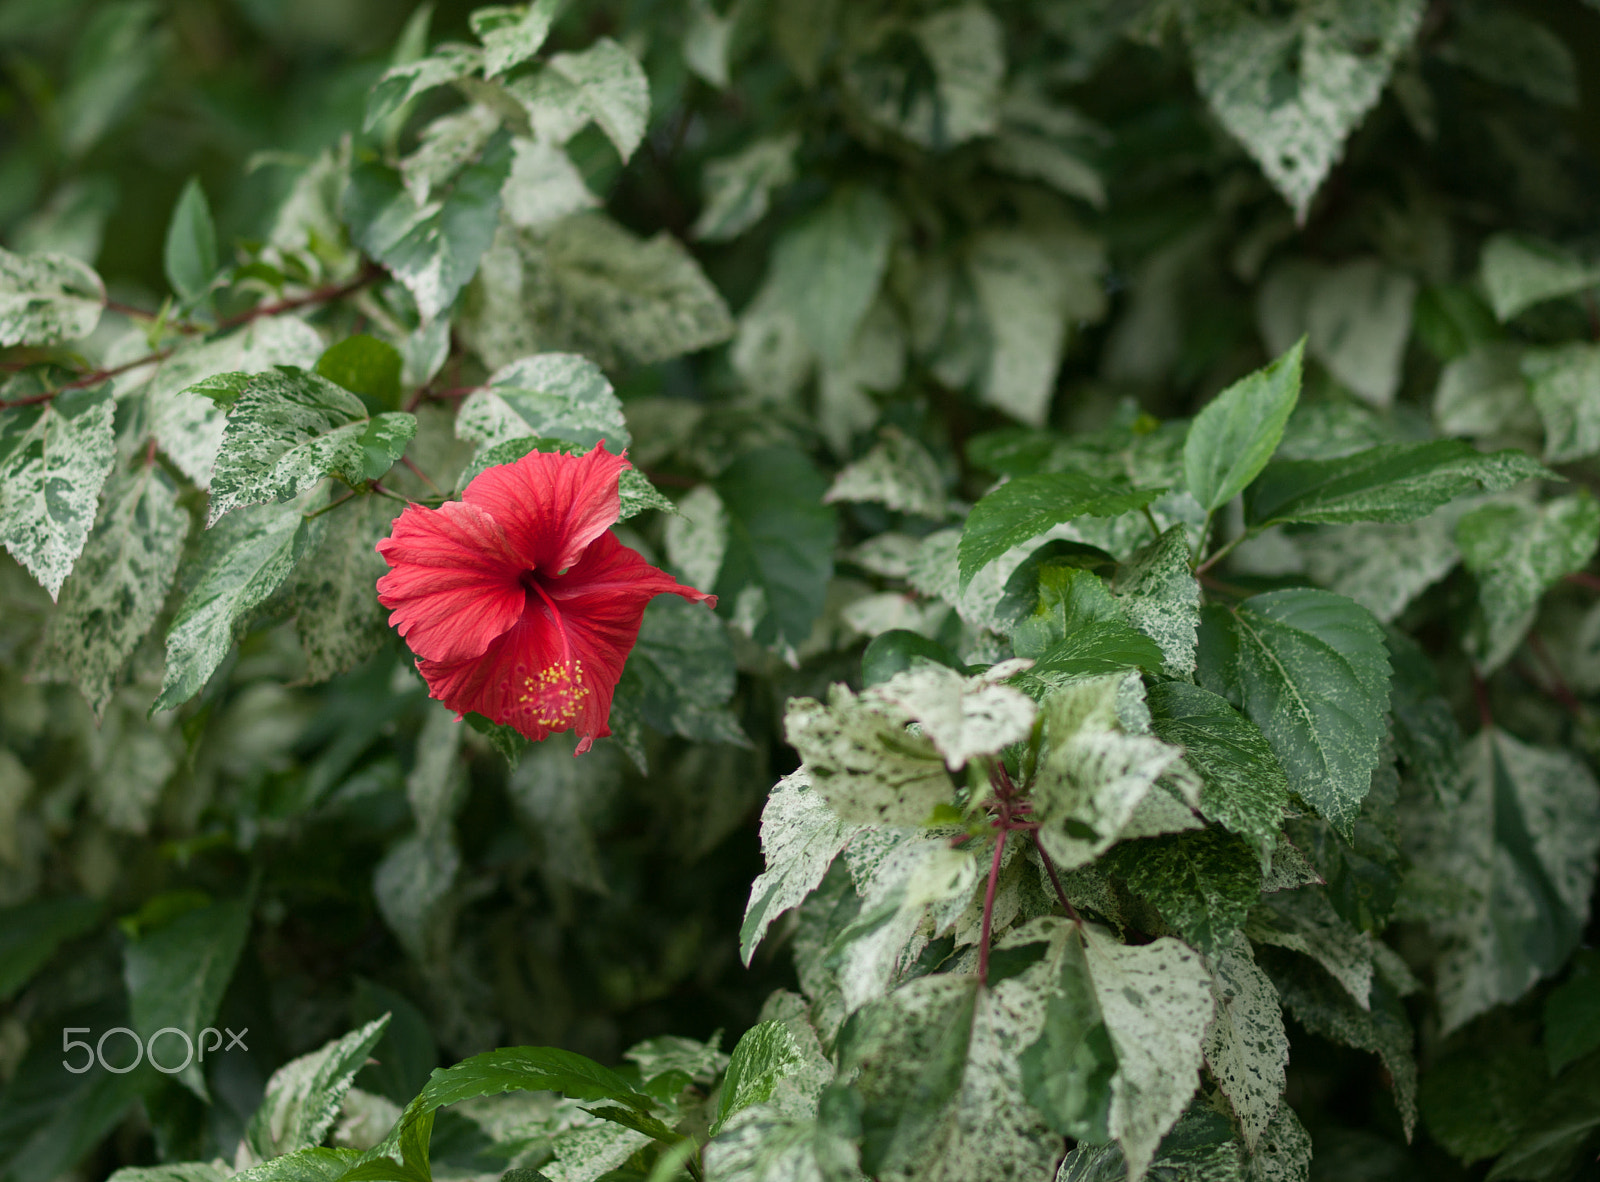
1246,1047
367,367
289,429
1078,628
1384,567
1032,283
242,561
1391,482
1291,85
1563,381
609,86
587,285
511,34
1242,785
761,1145
303,1096
1232,439
765,1055
404,82
827,267
1522,839
1022,509
1067,1074
1476,1100
1311,670
1519,272
177,974
1200,1146
899,473
53,460
1516,551
1161,598
189,1171
1571,1013
433,248
337,614
1202,883
897,650
190,253
31,932
305,1165
738,188
800,837
550,395
118,586
47,298
1553,1144
221,388
781,539
681,673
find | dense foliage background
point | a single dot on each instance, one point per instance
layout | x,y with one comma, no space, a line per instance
831,270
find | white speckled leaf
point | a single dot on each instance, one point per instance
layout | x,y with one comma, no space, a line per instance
337,614
964,717
1246,1047
800,837
1384,567
1094,775
1156,1001
1284,1154
1292,84
1564,383
288,429
611,88
738,188
898,472
400,84
1304,921
1161,598
242,561
1522,840
53,460
697,537
544,185
860,756
1515,551
551,395
966,47
118,586
1519,272
189,426
304,1095
512,35
47,298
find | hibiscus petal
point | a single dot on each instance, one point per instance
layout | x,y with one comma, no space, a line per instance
551,505
558,668
452,586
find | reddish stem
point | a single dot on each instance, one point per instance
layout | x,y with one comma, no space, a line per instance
1050,869
1584,579
1480,692
1558,688
988,900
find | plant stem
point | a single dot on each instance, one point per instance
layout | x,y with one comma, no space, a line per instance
1222,553
1150,519
1584,579
1480,692
421,475
331,505
988,901
1050,869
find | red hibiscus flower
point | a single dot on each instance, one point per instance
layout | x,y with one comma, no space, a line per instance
518,600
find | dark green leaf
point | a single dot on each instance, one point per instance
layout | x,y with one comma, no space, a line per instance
1392,482
896,650
190,253
827,267
1478,1099
1232,439
31,932
1022,509
780,544
1067,1073
1202,882
1242,785
1571,1013
368,368
1078,628
176,974
681,672
1309,668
